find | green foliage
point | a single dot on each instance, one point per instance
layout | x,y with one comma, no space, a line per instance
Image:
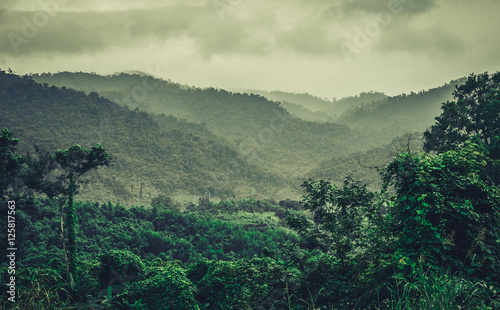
52,174
162,201
240,284
42,174
429,240
38,289
71,224
476,112
443,209
346,230
35,174
165,287
119,267
163,153
78,160
147,232
474,115
10,162
366,165
436,288
338,215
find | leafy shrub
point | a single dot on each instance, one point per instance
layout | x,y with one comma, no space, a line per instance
118,265
162,288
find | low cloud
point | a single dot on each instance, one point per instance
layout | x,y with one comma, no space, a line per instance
305,41
74,32
92,31
433,40
409,7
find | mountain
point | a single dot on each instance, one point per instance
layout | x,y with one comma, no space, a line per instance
308,101
373,115
385,119
394,123
261,130
364,165
267,148
313,108
155,155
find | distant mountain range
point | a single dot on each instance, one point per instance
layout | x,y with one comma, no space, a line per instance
261,130
170,138
376,116
154,155
313,108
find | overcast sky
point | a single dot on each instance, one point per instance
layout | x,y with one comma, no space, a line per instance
327,48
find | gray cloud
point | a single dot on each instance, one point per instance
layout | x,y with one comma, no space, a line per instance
287,40
432,40
7,4
72,32
310,38
91,31
410,7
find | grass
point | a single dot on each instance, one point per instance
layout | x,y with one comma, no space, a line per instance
432,289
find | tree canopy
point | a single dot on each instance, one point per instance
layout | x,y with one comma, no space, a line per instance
475,114
10,161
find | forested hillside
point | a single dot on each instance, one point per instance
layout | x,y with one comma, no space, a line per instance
261,130
289,134
385,119
373,115
320,109
263,133
154,155
366,165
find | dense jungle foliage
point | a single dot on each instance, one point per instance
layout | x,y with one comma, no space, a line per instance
428,239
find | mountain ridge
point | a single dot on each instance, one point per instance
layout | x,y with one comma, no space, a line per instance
162,160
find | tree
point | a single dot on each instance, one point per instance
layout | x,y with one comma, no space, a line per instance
474,115
54,175
10,162
338,215
42,174
347,241
444,211
57,176
75,162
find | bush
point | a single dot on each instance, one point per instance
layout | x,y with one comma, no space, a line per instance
162,288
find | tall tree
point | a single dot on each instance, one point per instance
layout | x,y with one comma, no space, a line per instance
56,176
10,162
339,215
444,210
475,115
75,162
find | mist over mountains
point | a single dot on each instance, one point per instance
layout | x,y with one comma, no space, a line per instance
174,139
258,128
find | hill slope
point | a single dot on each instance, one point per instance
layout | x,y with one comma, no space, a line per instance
313,108
181,156
390,117
263,131
363,165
